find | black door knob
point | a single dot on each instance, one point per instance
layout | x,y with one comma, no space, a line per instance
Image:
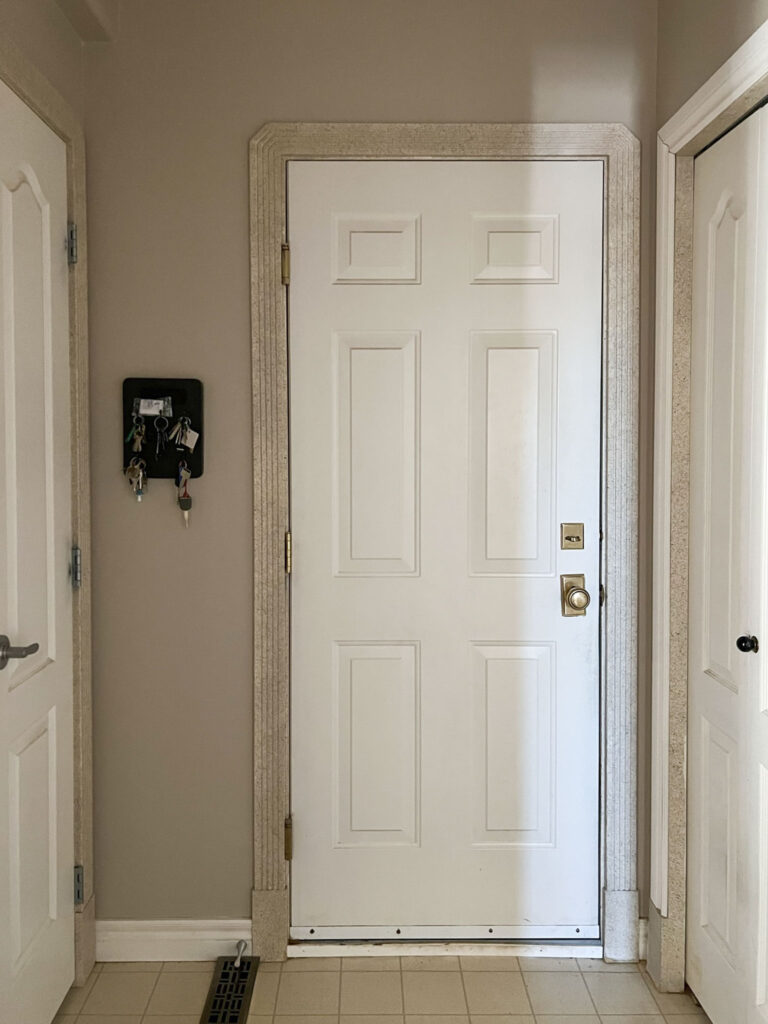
747,644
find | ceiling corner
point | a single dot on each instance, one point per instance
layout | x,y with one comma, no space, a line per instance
91,19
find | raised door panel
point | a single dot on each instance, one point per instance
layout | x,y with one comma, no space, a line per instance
514,748
718,782
376,745
513,448
28,508
32,834
721,432
376,455
515,250
377,249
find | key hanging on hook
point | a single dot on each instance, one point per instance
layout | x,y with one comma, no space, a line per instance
161,435
183,497
136,475
137,434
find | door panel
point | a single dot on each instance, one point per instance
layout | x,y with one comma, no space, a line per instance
514,748
36,786
376,745
512,457
445,340
376,456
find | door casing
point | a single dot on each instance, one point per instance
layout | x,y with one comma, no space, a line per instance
619,150
27,82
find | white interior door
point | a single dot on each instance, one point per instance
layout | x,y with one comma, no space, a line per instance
36,794
445,339
727,927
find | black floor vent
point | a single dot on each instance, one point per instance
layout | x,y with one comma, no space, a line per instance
229,998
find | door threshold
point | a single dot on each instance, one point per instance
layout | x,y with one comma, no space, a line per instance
586,949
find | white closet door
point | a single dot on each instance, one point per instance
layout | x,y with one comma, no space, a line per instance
727,928
445,340
36,759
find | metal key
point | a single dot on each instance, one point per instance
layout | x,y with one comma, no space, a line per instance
185,504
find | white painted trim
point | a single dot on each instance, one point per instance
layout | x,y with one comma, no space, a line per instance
662,527
120,941
738,75
586,951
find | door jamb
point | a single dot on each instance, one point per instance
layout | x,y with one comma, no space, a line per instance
20,75
619,151
731,93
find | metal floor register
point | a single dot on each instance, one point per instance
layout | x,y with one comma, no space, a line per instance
229,997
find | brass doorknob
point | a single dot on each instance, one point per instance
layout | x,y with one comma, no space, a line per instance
577,598
574,596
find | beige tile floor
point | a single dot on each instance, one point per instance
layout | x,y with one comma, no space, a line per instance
389,990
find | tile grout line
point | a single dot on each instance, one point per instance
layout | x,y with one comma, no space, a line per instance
277,991
464,988
157,979
527,993
341,972
589,991
279,974
402,985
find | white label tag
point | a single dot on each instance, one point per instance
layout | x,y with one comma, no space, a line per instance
190,439
152,406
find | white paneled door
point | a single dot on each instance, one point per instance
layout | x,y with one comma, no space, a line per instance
727,927
36,794
445,354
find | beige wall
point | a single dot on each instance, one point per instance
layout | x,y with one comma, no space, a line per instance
695,38
42,32
171,105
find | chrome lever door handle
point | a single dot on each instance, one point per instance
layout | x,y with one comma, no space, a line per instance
7,652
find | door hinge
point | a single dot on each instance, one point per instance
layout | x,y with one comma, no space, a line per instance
71,244
288,553
289,838
285,263
602,595
79,884
76,567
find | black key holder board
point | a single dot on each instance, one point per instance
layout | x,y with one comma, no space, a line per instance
173,398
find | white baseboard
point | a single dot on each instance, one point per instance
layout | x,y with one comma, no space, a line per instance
642,938
169,940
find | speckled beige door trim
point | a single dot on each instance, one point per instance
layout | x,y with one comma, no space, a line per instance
618,149
27,82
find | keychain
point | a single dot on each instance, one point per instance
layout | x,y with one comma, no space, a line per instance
184,500
138,433
161,431
183,434
136,475
179,432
